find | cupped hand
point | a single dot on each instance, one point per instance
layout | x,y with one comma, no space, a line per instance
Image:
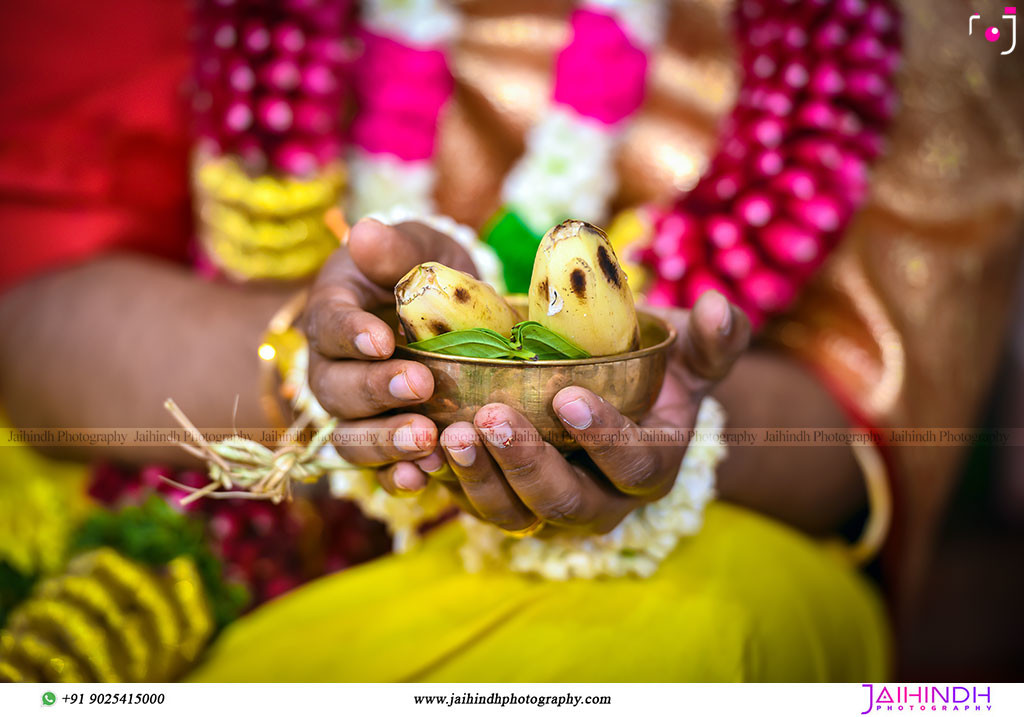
504,473
351,371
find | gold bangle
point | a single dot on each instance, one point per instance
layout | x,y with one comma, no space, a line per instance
277,349
876,480
876,527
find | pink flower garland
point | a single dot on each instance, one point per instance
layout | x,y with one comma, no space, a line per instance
818,92
600,73
267,82
400,91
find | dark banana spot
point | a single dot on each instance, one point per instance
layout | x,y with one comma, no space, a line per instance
410,335
542,290
439,327
462,295
578,279
608,266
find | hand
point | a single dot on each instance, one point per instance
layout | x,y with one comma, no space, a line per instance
350,369
505,474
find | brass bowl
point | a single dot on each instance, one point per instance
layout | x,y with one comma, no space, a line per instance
630,382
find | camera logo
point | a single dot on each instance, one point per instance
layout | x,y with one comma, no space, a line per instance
994,34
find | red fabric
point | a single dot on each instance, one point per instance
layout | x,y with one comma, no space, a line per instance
93,131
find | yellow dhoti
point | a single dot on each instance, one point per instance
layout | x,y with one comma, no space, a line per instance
746,599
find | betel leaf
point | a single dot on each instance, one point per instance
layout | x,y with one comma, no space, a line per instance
545,343
473,343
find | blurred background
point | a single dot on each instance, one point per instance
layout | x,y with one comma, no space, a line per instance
970,625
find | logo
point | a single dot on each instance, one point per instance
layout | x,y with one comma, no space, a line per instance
994,34
928,698
49,698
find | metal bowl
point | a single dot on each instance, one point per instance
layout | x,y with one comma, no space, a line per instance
630,381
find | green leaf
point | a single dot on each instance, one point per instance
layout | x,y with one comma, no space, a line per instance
545,343
474,343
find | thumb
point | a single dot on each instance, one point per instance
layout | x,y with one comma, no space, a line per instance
385,253
713,336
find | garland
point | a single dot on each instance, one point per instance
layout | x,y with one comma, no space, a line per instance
41,503
267,106
139,602
266,548
817,94
402,83
155,534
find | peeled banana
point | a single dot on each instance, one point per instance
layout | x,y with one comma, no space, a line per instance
579,290
434,299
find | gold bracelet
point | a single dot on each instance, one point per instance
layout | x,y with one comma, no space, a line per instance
281,342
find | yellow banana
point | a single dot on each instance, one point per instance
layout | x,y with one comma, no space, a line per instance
579,290
434,299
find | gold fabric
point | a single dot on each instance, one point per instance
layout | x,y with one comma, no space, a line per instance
906,321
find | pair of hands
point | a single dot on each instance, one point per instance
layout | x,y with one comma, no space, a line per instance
497,467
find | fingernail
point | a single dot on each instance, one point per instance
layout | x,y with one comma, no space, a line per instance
499,435
431,463
725,325
367,221
408,479
464,456
577,413
405,440
400,388
725,314
364,342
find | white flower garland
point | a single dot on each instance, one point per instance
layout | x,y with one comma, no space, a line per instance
423,23
637,546
566,171
383,181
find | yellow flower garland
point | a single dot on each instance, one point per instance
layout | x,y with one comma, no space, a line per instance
108,619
